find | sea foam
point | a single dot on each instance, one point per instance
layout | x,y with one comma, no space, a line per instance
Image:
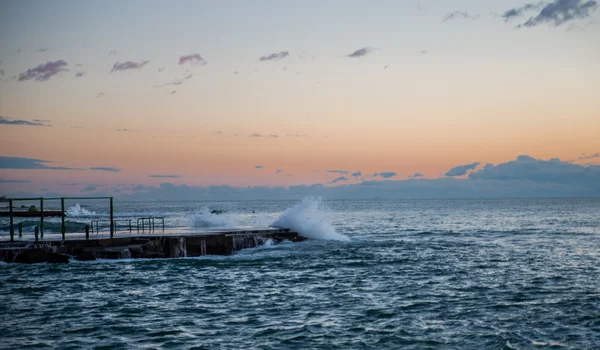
204,218
309,220
77,210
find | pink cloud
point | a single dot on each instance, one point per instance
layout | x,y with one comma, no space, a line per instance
194,58
44,72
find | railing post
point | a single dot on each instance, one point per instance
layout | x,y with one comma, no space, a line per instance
87,231
36,233
112,229
42,217
63,225
12,228
20,229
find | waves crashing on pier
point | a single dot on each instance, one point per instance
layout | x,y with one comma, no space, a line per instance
308,218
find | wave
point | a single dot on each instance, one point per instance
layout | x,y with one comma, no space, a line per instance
204,218
308,219
77,210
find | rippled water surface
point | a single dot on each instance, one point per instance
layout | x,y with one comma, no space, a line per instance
472,274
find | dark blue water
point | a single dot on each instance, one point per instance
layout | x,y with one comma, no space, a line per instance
457,274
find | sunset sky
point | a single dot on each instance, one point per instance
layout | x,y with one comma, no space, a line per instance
276,93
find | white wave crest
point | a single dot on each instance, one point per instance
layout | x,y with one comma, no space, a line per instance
308,219
77,210
204,218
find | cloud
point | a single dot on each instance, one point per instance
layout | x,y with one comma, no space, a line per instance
360,52
28,163
142,188
35,122
518,11
561,11
357,174
343,172
463,15
175,82
415,176
162,176
79,74
194,58
461,170
339,179
109,169
386,174
128,65
524,177
259,167
43,72
591,156
89,188
13,181
275,56
278,171
526,168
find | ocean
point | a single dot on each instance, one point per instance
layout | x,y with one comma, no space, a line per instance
411,274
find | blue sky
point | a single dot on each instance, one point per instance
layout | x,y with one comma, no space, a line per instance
101,93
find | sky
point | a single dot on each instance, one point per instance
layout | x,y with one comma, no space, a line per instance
137,97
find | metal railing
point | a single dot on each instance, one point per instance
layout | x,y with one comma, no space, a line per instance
143,224
41,200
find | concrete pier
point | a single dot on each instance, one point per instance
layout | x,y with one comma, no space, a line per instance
54,249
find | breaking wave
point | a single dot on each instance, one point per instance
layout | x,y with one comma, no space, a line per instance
204,218
77,210
308,219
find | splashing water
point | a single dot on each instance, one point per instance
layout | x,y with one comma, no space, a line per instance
308,219
204,218
77,210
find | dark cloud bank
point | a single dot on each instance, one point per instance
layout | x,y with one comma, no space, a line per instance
524,177
28,163
34,122
554,13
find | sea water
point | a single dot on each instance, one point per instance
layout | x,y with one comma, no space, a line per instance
458,274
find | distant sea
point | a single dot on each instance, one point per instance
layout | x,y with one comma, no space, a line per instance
413,274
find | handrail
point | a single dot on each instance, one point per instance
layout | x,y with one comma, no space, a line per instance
62,205
52,198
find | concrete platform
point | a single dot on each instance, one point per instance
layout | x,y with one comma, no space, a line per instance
168,244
